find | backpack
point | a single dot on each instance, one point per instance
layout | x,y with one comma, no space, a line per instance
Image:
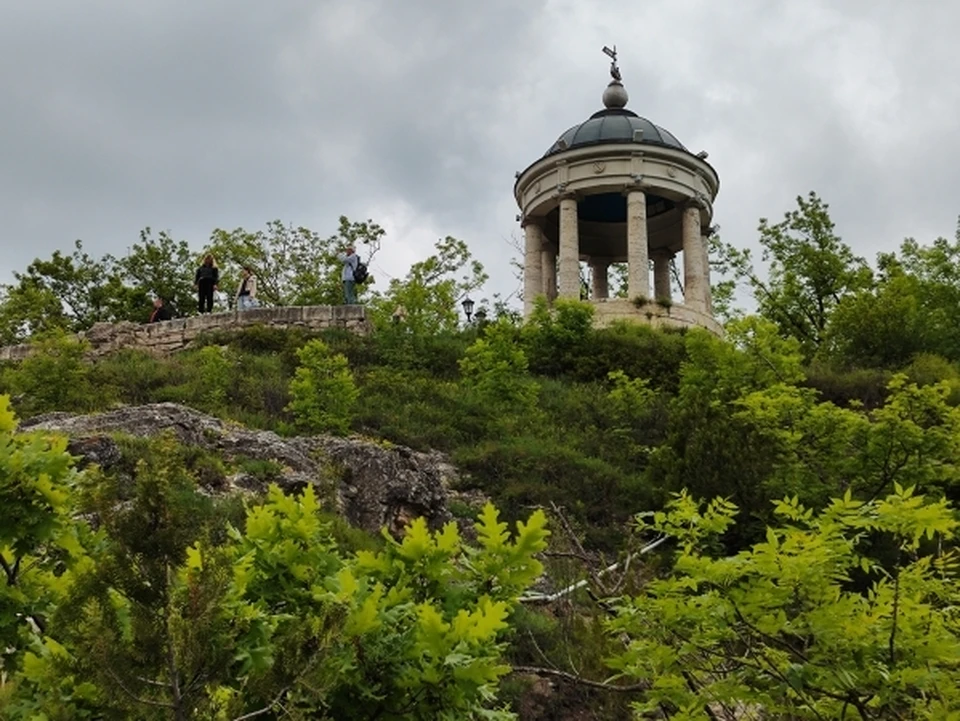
360,273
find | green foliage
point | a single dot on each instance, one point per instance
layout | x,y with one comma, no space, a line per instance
431,290
782,630
810,270
294,265
881,327
494,371
556,337
79,285
528,471
158,267
54,377
323,392
38,540
213,371
175,614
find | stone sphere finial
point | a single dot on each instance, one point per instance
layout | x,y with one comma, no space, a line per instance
615,96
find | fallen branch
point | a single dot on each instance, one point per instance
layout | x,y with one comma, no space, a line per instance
551,597
573,678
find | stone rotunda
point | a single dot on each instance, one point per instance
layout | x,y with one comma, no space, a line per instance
618,189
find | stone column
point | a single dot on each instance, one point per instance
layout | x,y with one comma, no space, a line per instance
548,268
694,273
600,288
707,293
638,259
532,269
569,282
661,273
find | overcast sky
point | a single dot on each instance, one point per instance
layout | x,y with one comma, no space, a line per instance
188,115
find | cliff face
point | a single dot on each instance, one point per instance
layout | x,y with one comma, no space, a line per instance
373,484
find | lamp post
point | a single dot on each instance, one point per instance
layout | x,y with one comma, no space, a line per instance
468,308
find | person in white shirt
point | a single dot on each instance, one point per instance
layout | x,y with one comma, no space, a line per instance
247,290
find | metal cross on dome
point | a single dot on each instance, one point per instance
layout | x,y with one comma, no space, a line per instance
614,70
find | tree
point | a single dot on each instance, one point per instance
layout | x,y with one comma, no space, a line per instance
69,292
179,615
158,266
38,539
294,265
810,270
431,291
494,371
29,309
323,392
54,377
806,624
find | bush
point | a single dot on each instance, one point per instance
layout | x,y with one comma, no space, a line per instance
133,376
638,350
527,471
323,393
418,410
495,372
54,377
556,338
866,386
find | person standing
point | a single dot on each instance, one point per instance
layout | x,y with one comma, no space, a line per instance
350,260
205,282
247,290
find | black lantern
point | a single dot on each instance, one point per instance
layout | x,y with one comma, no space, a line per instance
481,317
468,308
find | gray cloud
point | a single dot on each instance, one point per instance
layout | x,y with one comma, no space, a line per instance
189,116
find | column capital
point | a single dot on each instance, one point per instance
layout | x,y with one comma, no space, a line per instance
663,253
637,183
562,193
536,220
699,201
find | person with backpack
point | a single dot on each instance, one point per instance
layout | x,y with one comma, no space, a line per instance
205,281
353,272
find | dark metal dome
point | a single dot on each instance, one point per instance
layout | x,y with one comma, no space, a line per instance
614,125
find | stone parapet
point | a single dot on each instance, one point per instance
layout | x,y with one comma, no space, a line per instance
606,312
175,335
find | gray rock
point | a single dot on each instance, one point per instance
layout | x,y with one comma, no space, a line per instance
372,484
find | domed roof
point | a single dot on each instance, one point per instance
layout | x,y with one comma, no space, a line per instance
614,125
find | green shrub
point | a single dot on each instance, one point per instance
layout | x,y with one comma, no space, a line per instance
133,376
927,369
529,471
259,390
323,393
636,349
866,386
494,371
54,377
417,410
555,338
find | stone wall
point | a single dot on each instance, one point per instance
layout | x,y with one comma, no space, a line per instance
174,335
608,310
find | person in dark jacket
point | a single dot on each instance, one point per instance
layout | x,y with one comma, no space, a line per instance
205,282
160,311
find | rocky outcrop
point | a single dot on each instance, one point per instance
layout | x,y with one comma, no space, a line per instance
174,335
373,484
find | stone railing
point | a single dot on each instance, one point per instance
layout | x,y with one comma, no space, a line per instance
174,335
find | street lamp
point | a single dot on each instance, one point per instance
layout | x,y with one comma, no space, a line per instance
481,317
468,308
